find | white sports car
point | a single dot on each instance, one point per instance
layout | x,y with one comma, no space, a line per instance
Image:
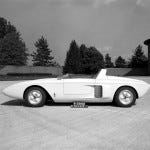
68,88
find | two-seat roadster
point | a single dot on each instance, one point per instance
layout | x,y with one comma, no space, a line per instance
99,88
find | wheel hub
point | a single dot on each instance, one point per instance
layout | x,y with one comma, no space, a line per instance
126,97
35,97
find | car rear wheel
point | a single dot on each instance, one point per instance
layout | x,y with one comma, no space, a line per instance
125,97
35,97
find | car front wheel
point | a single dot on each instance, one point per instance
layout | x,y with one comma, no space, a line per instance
35,97
125,97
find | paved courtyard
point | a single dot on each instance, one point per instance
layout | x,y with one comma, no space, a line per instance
60,127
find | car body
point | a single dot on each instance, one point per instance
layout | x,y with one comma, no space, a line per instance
101,88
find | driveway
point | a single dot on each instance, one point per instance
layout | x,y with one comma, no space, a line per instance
60,127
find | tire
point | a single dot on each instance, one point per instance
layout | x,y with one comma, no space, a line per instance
35,97
125,97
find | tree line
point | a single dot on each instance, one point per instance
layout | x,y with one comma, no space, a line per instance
13,50
79,59
87,60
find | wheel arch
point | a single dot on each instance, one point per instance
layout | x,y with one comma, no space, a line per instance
137,96
47,94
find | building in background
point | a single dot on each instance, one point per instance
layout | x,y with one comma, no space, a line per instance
147,43
30,70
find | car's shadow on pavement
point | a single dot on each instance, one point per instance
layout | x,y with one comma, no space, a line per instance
86,104
18,102
15,102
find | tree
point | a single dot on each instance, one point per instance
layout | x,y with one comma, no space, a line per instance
6,27
120,62
13,50
83,55
83,60
108,62
92,60
3,24
10,28
42,56
138,59
72,62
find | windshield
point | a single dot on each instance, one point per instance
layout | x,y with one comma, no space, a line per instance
71,76
102,72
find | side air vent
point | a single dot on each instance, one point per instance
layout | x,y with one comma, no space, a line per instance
98,91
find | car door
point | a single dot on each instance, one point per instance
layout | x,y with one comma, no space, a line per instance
78,88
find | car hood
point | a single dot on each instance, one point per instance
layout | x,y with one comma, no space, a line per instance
45,80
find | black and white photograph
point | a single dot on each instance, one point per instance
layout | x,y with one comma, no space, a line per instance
74,74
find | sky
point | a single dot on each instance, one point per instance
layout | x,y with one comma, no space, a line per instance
112,26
